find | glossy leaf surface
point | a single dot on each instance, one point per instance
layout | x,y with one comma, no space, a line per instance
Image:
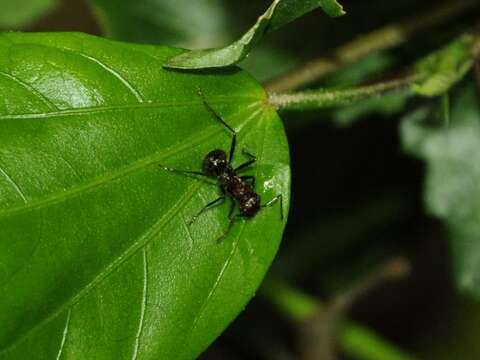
96,259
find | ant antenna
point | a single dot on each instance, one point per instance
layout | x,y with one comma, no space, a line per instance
219,118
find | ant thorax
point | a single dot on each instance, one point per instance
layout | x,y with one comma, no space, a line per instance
251,205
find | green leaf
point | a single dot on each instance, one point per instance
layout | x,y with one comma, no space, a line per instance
278,14
18,14
96,259
289,10
453,174
445,67
191,24
332,7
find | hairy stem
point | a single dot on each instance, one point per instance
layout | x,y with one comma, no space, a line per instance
324,98
379,40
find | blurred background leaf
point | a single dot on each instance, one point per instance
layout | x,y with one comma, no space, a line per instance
452,191
191,24
19,14
445,67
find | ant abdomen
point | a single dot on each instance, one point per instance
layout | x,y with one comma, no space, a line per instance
250,206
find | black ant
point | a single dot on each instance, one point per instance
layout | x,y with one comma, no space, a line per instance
218,165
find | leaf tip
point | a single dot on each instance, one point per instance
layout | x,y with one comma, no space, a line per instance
333,8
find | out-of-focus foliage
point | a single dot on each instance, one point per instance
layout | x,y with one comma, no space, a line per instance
183,23
18,14
452,191
357,73
444,68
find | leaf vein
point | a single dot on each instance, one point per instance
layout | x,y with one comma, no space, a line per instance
140,243
137,165
14,185
135,92
64,335
104,109
143,305
30,89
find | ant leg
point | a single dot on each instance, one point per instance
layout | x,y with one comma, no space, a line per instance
232,148
245,165
273,201
230,223
197,174
249,154
249,178
223,122
252,160
232,209
209,206
233,219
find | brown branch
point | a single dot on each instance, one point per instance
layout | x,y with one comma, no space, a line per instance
382,39
318,334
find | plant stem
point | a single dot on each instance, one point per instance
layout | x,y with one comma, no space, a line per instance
395,268
323,98
353,339
379,40
361,343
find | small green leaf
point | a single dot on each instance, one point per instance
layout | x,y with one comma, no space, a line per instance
332,7
289,10
452,181
445,67
18,14
278,14
96,258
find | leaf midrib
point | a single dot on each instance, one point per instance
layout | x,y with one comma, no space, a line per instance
84,111
137,165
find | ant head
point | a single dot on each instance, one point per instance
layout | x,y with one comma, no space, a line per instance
215,163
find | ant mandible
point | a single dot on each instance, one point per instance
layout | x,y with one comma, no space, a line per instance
218,165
